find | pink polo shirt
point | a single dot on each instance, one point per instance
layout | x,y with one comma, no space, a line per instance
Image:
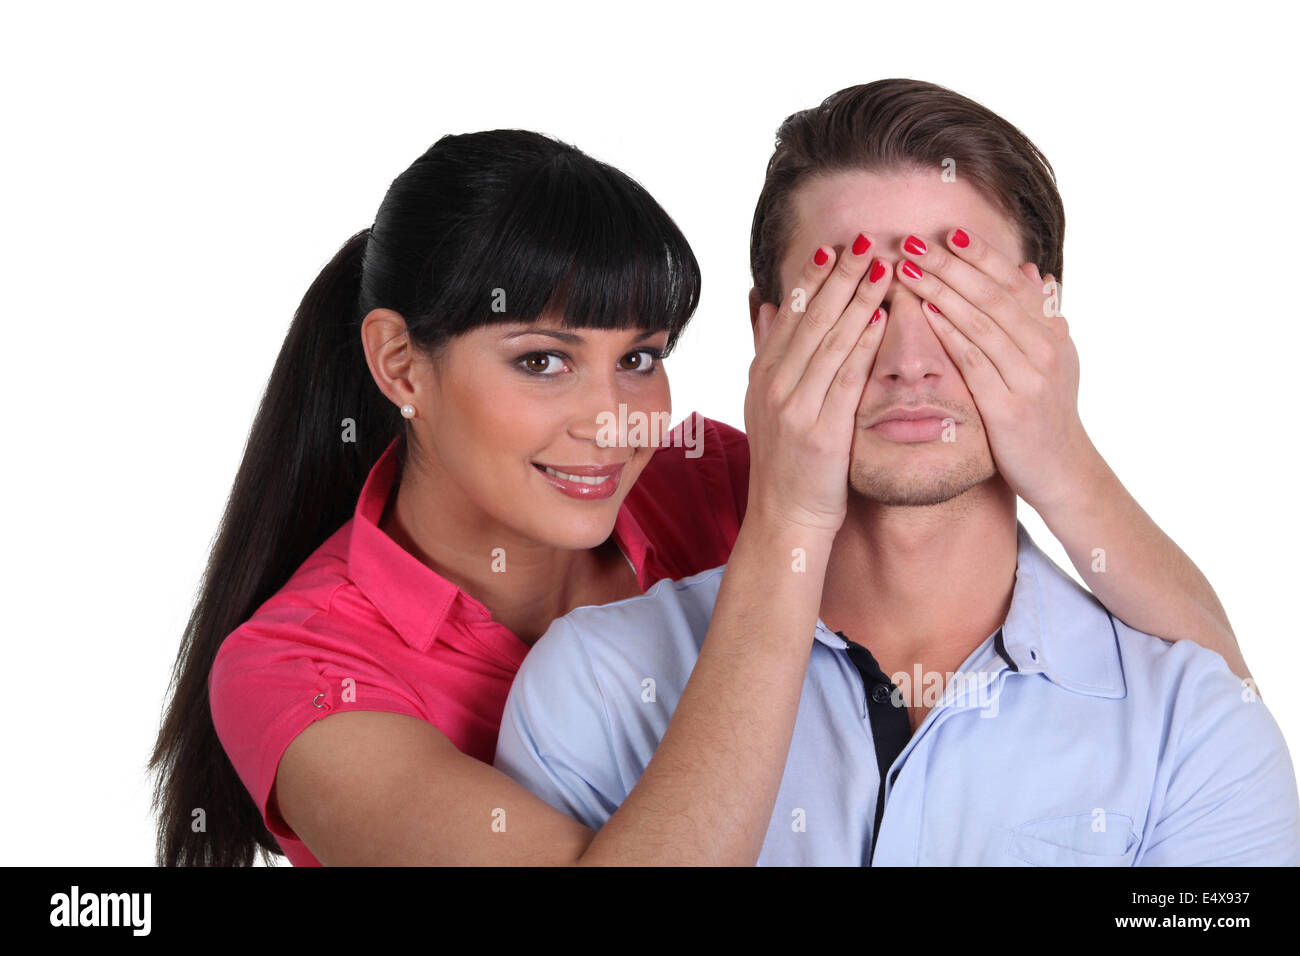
364,625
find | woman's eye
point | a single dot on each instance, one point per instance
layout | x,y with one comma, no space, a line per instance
539,363
646,365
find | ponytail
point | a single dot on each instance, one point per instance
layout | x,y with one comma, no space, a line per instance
297,484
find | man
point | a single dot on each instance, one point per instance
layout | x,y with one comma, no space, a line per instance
1025,724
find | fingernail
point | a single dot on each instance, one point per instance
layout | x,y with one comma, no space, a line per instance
909,270
876,316
930,306
960,239
861,244
821,257
915,246
877,271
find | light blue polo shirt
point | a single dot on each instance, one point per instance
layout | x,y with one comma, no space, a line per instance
1103,746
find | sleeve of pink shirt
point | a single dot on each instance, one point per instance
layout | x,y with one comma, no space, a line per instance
273,677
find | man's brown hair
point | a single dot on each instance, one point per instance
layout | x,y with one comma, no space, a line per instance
901,124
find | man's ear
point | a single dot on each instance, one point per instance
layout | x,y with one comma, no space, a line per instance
1031,270
754,302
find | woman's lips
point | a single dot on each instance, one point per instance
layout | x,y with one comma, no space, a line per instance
583,489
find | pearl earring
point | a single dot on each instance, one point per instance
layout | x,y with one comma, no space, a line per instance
408,411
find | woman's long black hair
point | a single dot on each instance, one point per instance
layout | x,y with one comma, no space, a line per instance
484,227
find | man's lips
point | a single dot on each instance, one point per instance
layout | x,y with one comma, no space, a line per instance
915,413
912,424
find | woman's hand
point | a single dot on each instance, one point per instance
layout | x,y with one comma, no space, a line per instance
814,354
1001,327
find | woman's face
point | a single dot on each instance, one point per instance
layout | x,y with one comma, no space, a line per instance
509,400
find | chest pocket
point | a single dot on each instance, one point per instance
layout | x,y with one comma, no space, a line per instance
1094,838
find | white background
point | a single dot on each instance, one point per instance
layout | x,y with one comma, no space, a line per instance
174,177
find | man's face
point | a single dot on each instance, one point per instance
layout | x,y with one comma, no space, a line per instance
896,463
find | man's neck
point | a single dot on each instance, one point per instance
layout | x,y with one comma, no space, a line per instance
925,585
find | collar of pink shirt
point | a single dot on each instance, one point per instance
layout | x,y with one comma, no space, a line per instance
415,599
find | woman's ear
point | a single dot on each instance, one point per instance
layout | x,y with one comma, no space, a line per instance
389,355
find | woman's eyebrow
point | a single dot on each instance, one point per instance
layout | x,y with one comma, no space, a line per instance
568,336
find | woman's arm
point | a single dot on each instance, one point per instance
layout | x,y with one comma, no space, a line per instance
377,788
368,788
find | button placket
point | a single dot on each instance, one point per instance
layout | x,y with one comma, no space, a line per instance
937,715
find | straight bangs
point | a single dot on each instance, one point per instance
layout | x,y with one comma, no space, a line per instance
578,239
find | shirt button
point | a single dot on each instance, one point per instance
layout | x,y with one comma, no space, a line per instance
880,694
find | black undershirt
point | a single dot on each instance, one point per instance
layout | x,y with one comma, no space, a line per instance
890,727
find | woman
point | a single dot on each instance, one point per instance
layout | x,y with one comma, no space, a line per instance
425,488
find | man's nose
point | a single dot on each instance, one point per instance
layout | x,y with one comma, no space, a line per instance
910,352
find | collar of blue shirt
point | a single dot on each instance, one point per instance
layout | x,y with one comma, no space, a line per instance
1051,628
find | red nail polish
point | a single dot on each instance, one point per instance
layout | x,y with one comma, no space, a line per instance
915,246
930,306
960,239
861,244
909,270
821,257
876,316
877,271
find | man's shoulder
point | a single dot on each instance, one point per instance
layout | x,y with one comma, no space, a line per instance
664,592
1223,754
1094,644
1190,691
667,622
1162,661
669,605
1193,685
1177,689
589,671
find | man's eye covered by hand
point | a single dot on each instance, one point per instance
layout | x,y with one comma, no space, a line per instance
1001,326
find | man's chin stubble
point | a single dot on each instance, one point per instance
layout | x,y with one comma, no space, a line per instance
933,487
